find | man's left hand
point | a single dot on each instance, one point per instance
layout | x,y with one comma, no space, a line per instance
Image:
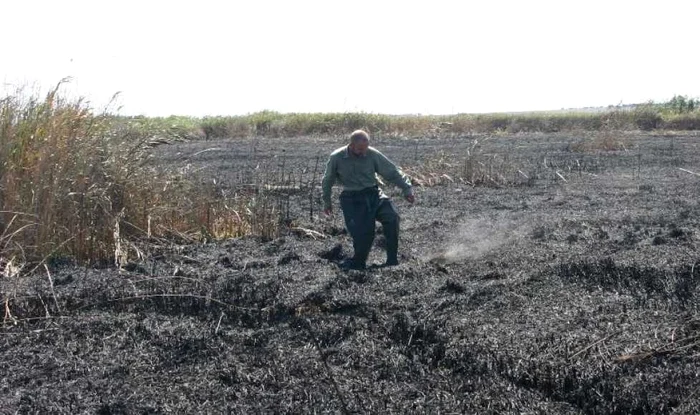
410,198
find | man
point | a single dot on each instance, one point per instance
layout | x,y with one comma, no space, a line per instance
355,166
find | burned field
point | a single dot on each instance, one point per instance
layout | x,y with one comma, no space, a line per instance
539,274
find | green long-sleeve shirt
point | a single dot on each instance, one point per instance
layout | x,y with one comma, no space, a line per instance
357,173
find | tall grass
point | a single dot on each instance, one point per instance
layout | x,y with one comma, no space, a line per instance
57,176
273,124
78,184
173,128
680,113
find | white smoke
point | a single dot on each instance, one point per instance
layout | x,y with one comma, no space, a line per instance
477,237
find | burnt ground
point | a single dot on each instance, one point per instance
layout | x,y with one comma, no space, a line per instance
538,296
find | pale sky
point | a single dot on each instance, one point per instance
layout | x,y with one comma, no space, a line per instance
433,57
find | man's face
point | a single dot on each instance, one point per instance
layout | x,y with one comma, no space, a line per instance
359,148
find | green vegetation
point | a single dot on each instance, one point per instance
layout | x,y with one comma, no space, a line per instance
680,113
681,104
174,127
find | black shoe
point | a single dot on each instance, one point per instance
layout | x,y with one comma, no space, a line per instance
353,264
391,263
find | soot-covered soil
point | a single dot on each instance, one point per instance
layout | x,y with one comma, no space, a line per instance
547,296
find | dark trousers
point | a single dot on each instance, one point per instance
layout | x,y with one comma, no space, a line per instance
361,210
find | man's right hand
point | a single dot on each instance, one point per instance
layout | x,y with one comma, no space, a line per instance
328,211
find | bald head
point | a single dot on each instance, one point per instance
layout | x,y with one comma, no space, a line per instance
359,142
359,136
